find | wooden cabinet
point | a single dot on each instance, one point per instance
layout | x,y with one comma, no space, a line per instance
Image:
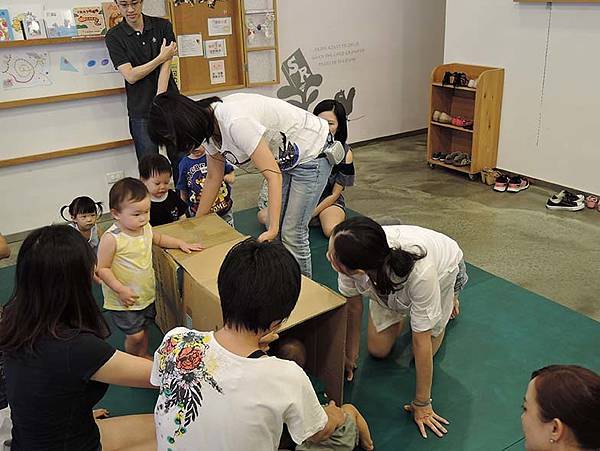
482,104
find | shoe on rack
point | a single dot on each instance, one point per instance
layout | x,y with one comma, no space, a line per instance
436,156
501,184
564,204
517,184
445,118
436,116
450,157
591,201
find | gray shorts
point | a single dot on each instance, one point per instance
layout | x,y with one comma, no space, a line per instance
133,321
344,438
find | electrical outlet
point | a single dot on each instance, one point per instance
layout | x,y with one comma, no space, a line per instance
113,177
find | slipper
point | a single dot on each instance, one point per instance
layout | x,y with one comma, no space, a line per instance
450,157
466,161
436,116
591,201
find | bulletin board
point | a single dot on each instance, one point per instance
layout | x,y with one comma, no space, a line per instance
195,71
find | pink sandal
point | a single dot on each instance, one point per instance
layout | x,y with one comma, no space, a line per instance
591,201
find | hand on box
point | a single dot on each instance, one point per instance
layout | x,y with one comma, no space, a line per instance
267,236
189,248
266,340
127,296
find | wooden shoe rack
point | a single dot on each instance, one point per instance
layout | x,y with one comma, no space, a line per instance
482,104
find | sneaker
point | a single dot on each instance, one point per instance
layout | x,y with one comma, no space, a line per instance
501,184
567,195
436,156
517,184
564,204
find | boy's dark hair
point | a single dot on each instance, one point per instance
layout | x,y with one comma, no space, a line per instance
81,205
361,243
154,164
338,109
53,291
127,189
178,121
259,283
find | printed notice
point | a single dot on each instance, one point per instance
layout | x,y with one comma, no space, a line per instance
216,48
219,26
217,72
189,45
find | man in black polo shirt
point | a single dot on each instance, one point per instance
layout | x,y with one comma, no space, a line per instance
141,48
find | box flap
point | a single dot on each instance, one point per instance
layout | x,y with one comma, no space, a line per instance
208,230
204,266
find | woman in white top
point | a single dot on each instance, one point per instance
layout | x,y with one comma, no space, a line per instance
404,271
286,145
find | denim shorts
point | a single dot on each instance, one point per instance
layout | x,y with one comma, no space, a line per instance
133,321
462,278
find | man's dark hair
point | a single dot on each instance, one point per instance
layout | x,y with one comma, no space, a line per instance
154,164
127,189
259,283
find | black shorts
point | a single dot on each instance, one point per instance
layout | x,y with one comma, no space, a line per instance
133,321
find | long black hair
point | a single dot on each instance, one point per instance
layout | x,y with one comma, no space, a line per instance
81,205
178,121
341,134
53,291
361,244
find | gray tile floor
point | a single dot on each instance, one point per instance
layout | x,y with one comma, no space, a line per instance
555,254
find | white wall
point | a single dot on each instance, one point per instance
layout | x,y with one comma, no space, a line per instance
400,41
550,133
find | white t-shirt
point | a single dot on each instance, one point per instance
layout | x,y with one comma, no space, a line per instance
297,135
420,295
212,399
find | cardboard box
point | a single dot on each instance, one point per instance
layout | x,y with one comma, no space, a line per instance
187,294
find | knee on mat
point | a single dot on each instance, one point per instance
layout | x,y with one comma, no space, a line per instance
136,339
379,352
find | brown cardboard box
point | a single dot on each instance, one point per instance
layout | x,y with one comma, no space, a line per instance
188,295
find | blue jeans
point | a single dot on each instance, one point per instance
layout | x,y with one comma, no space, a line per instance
302,187
138,127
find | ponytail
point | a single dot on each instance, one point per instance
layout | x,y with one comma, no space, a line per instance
81,205
361,244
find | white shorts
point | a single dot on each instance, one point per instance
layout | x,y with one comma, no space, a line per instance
384,317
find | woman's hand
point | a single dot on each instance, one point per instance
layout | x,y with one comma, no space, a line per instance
265,341
425,416
267,236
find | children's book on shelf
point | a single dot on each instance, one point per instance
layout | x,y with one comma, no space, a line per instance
89,20
17,16
60,23
112,15
33,23
6,33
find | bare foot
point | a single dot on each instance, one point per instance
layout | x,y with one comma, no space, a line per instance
455,309
99,414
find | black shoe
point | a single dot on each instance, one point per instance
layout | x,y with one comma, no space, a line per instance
564,204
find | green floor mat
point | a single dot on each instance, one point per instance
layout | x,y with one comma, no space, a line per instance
504,332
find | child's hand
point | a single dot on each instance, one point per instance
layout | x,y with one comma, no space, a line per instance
189,248
266,340
127,297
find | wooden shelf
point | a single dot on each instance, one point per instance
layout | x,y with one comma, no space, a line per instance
49,41
458,88
260,49
453,127
465,169
483,104
65,153
60,98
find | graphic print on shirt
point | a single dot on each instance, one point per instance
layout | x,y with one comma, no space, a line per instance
184,372
195,179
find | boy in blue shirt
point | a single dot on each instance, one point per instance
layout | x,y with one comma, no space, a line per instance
192,175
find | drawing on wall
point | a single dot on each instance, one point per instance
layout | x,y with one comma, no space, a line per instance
300,79
97,62
25,70
209,3
66,65
347,101
267,27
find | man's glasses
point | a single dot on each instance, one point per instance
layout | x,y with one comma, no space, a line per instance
134,4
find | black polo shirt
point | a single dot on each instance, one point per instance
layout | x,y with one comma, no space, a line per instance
125,45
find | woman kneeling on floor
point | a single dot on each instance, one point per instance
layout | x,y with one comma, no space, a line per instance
404,271
57,364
